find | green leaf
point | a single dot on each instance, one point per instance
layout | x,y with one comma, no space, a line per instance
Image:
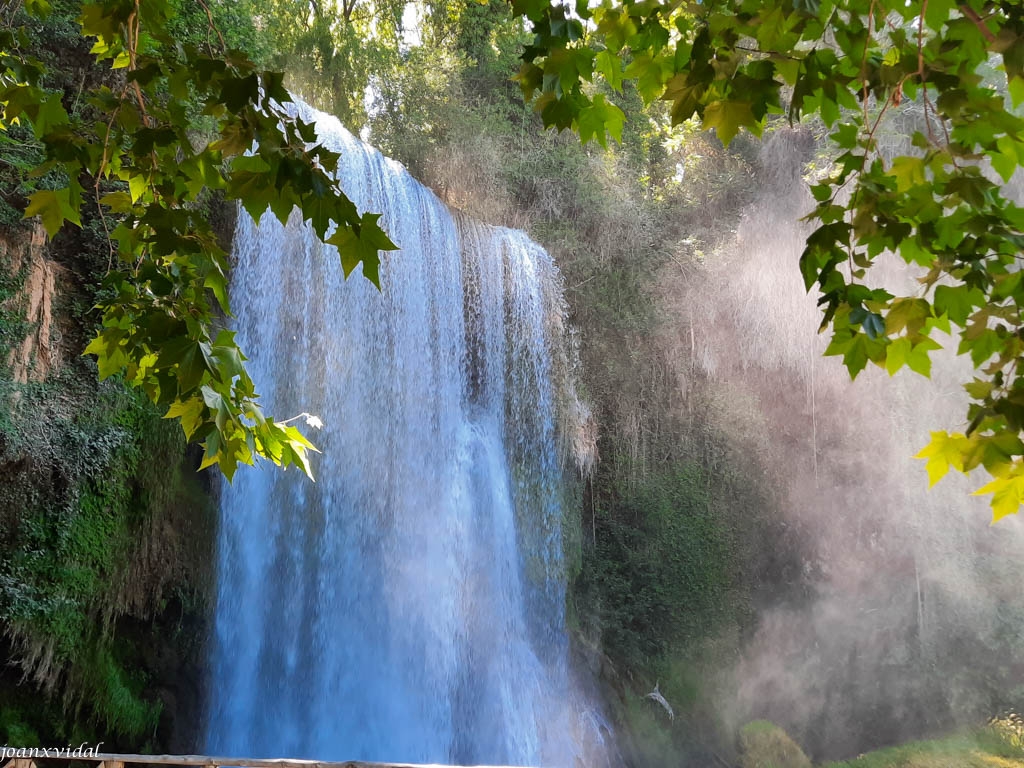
1016,89
913,253
857,349
873,325
938,12
217,282
685,96
981,344
212,455
137,187
1005,161
51,114
979,389
46,205
907,314
908,171
649,75
610,68
189,413
39,8
118,202
229,362
251,163
773,26
958,302
896,354
918,359
727,117
362,245
110,355
598,118
53,207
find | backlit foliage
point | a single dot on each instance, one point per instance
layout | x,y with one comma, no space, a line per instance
940,206
183,121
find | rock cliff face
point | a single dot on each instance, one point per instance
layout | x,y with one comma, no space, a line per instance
23,258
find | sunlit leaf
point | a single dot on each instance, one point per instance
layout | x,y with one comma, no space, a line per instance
944,451
1007,493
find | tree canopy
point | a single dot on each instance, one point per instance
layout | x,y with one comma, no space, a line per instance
940,204
179,121
183,121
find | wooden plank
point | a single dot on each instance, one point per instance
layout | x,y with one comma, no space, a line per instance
244,762
20,762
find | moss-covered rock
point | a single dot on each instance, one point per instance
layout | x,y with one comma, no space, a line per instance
105,536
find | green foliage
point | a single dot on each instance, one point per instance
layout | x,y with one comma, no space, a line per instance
765,745
1007,728
733,64
332,51
132,156
19,156
206,24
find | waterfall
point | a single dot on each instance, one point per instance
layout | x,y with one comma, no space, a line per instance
408,605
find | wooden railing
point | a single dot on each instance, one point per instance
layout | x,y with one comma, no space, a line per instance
43,758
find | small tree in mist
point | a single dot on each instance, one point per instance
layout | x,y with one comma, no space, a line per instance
765,745
939,206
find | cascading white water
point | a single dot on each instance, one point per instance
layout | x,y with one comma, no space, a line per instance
408,606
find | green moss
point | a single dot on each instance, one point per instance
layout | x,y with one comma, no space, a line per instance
12,322
992,747
16,729
657,577
113,466
117,693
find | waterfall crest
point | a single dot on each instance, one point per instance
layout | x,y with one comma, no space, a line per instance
409,605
